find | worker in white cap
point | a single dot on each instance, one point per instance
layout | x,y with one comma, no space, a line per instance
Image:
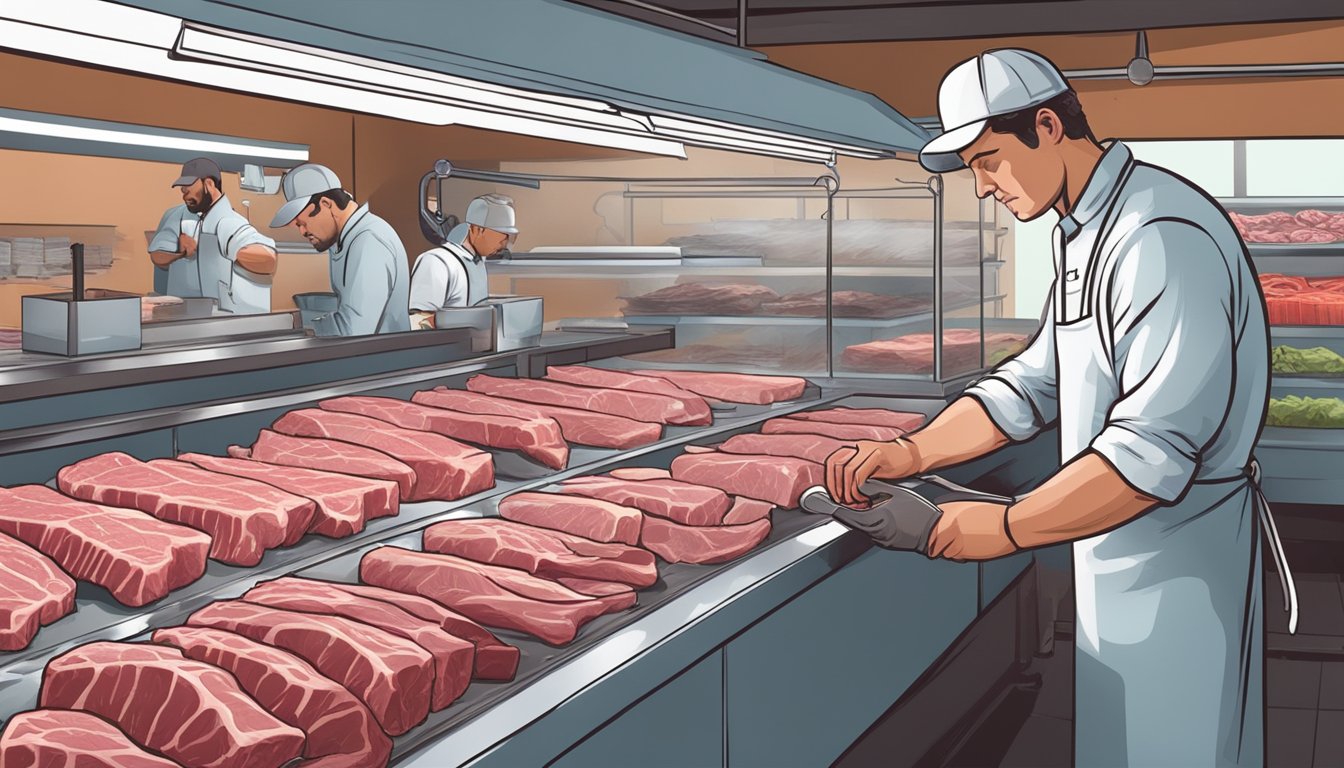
220,255
367,261
453,274
1153,363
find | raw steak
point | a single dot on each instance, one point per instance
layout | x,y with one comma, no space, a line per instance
848,304
599,589
444,468
677,543
913,353
331,456
453,656
876,417
581,375
191,712
735,387
33,593
541,552
747,511
243,517
600,430
335,722
537,438
700,299
344,502
622,402
590,518
776,479
137,558
640,473
682,502
849,432
390,675
501,597
56,738
495,659
808,447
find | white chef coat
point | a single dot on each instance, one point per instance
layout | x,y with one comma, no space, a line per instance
1154,354
222,234
451,275
369,277
181,273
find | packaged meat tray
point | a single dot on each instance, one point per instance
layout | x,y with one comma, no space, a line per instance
1293,300
700,299
1284,228
913,353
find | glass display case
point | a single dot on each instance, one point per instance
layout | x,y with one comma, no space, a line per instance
774,275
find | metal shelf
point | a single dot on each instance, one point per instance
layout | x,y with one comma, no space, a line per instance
1296,250
1280,334
1268,204
642,271
778,320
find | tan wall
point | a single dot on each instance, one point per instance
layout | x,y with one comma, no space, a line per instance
906,75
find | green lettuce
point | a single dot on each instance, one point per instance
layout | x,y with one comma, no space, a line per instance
1318,360
1318,412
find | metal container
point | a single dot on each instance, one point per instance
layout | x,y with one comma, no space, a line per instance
480,320
316,310
103,321
517,321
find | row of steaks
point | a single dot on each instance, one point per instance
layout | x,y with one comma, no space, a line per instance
141,529
328,671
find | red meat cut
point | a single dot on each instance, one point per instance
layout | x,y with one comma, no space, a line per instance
33,593
590,518
682,502
747,510
876,417
541,552
598,589
495,659
444,468
913,353
537,438
137,558
500,597
344,502
600,430
777,479
392,676
191,712
243,517
850,432
677,543
453,656
581,375
700,299
336,724
640,473
746,388
814,448
644,406
329,456
56,738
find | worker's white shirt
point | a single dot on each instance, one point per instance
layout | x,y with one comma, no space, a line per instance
222,234
368,275
181,273
448,276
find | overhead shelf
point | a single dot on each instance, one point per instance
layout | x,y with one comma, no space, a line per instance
594,270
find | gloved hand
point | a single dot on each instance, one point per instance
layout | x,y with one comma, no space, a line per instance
902,522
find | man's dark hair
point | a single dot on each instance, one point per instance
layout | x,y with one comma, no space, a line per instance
219,184
339,197
1022,123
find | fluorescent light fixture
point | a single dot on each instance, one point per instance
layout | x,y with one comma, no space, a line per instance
56,129
112,35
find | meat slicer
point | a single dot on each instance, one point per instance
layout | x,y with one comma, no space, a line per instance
902,514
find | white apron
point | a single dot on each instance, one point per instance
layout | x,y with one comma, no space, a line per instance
1169,633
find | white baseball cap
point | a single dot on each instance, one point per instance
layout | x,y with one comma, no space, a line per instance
299,185
492,212
993,83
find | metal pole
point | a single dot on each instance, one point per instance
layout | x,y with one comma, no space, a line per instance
936,186
741,23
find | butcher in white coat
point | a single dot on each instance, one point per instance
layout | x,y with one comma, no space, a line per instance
1153,362
454,273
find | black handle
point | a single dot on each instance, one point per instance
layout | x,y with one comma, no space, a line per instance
77,269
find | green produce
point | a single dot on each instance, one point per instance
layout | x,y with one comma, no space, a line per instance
1319,360
1318,412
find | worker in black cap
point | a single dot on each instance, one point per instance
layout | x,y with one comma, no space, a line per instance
226,258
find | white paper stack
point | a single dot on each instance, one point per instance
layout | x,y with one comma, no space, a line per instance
6,259
55,256
97,257
27,256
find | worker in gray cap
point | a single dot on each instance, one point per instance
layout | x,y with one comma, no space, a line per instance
219,254
1153,366
367,261
453,274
